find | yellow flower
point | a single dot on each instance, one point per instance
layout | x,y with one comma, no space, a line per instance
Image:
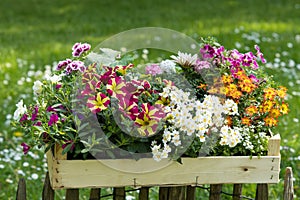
18,134
270,121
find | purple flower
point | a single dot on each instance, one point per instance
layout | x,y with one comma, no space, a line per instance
24,118
207,51
79,48
201,64
25,147
75,66
253,78
38,124
62,64
57,86
50,109
249,60
35,113
153,69
53,119
259,54
67,143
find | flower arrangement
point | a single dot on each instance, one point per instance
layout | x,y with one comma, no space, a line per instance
216,102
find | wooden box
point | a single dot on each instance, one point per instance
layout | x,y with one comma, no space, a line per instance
193,171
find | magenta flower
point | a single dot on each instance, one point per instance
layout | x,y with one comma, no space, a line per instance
67,143
79,48
75,66
207,51
38,124
24,118
62,64
259,54
110,73
53,119
50,109
253,78
98,103
153,69
201,64
249,60
128,106
35,113
25,147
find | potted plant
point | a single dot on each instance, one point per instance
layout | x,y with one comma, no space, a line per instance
142,124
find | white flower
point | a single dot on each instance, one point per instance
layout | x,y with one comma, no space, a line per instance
21,110
185,59
168,66
54,79
157,156
37,87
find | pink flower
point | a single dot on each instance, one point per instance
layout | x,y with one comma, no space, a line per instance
259,54
153,69
98,103
53,119
207,51
25,147
201,65
79,48
62,64
35,113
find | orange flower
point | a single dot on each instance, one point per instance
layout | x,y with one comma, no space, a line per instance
226,79
251,110
229,121
275,113
270,121
246,121
202,86
281,92
284,109
267,106
236,94
269,93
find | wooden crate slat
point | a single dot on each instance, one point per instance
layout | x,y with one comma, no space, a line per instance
193,171
78,173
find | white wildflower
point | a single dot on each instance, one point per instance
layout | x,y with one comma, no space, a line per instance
20,111
185,59
37,87
168,66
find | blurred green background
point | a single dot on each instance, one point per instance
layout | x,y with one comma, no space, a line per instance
36,34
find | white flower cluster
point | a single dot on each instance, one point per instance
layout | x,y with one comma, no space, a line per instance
20,111
190,117
230,136
168,66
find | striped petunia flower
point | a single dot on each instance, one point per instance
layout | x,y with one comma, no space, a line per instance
98,103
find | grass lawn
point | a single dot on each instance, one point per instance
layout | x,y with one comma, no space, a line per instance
35,34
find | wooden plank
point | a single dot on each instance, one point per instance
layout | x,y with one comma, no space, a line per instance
119,193
95,194
207,170
190,192
215,192
21,190
144,193
237,192
48,192
274,146
177,193
147,172
72,194
262,192
288,193
58,153
163,193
